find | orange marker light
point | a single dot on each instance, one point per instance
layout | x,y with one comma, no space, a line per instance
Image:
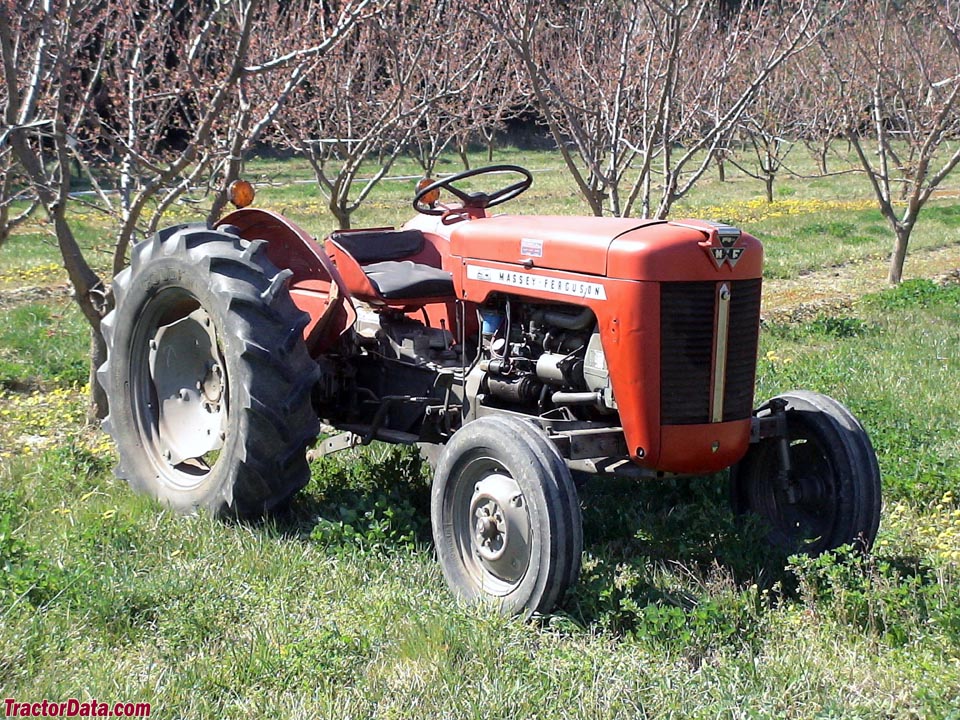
431,197
241,193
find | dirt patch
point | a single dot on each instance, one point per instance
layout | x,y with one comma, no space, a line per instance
835,289
24,295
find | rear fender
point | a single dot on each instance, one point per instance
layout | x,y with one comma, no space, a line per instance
315,286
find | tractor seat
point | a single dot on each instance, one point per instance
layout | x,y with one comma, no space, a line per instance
379,244
401,280
372,266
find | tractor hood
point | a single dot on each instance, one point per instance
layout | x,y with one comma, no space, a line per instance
630,249
579,244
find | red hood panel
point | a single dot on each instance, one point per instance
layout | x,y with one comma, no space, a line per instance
558,242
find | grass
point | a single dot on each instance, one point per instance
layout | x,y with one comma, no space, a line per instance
337,608
43,343
896,364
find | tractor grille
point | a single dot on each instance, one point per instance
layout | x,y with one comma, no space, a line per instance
687,313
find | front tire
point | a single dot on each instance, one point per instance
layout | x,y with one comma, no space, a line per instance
831,496
207,375
506,519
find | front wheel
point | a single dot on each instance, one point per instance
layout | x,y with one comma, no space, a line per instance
207,375
506,519
830,496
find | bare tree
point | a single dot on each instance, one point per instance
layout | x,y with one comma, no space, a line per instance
497,98
174,126
435,132
372,97
899,76
13,190
575,64
144,98
818,104
44,49
769,125
489,102
485,105
467,81
640,95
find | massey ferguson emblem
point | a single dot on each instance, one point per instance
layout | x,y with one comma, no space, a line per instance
724,252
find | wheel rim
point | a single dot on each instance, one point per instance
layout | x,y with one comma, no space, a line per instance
802,512
179,388
492,526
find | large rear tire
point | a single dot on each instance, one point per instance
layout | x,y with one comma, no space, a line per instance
207,375
506,519
832,494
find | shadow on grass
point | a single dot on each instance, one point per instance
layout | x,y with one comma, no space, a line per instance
375,498
656,552
665,560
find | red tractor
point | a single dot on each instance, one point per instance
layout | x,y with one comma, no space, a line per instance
516,350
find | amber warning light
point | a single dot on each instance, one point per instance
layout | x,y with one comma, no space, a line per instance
431,197
241,193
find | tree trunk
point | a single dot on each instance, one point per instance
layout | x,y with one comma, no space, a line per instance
4,226
899,254
721,168
94,302
341,214
97,402
490,150
768,182
462,152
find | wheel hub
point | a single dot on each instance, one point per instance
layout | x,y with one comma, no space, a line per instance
187,376
212,385
811,490
501,529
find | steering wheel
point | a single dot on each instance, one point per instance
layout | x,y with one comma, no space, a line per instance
476,199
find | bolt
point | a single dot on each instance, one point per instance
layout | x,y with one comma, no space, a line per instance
516,500
168,456
153,344
184,395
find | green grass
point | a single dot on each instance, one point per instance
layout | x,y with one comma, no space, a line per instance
337,608
896,365
43,343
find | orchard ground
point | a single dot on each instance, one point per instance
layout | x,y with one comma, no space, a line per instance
337,608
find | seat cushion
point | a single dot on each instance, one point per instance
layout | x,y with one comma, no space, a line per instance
405,279
367,246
